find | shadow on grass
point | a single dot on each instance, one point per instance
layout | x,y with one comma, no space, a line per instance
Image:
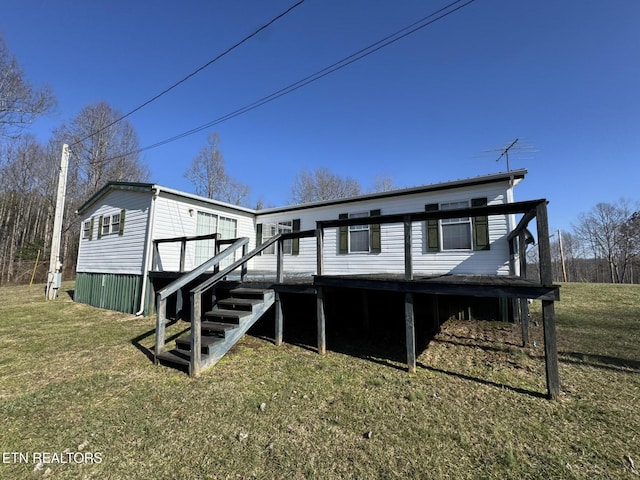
71,294
483,381
600,361
136,342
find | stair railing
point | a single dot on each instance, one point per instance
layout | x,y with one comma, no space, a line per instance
196,300
179,283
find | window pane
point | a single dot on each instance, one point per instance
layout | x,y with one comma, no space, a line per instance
359,241
456,236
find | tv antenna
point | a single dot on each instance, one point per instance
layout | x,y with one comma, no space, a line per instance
505,153
512,148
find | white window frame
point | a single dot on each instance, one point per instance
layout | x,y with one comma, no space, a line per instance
106,225
359,228
272,229
455,221
115,223
86,229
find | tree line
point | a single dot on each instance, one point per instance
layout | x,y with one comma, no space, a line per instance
604,245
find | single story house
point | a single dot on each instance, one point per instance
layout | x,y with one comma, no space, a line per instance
124,223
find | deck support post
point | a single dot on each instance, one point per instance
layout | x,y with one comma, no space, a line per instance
161,320
524,321
550,349
524,306
319,250
279,320
322,337
408,268
279,261
243,268
196,339
410,331
183,251
548,307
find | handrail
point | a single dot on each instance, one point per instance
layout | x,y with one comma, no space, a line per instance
245,258
208,236
178,283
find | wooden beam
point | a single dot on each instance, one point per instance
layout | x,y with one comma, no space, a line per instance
279,261
161,319
544,246
319,250
320,313
550,349
409,318
524,321
183,250
279,320
408,269
196,338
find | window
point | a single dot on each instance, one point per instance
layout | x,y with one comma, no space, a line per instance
115,223
106,225
86,229
456,232
206,223
358,235
272,229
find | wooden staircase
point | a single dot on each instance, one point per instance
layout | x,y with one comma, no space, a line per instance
222,327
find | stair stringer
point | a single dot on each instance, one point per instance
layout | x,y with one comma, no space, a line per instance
233,336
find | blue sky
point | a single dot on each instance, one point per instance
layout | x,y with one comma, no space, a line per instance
564,77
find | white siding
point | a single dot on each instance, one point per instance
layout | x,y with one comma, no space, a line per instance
391,258
177,217
115,253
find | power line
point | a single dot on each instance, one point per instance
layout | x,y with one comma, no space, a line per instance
195,72
354,57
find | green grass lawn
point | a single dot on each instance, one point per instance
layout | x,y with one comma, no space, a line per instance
75,379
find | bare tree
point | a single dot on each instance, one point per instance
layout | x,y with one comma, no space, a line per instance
322,184
20,102
208,175
383,183
603,228
101,150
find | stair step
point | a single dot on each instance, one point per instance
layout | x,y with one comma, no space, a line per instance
235,303
217,327
207,341
177,356
226,316
244,292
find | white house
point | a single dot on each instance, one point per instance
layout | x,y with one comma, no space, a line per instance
121,222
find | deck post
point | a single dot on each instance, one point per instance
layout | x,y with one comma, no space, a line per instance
155,256
548,308
279,261
410,331
319,250
322,337
216,251
161,319
196,338
243,268
524,307
550,348
279,320
183,250
408,269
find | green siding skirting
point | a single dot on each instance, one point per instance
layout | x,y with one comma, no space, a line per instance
110,291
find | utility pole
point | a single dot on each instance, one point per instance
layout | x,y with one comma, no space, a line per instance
54,276
564,268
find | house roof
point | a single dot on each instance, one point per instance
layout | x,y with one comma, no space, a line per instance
515,176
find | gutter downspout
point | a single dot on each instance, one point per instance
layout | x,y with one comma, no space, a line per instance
148,250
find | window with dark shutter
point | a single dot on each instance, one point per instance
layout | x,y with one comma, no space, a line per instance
480,227
433,236
374,232
343,243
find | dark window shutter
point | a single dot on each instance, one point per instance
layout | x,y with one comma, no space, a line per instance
100,227
258,236
374,232
122,215
343,243
91,228
433,237
295,243
480,227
